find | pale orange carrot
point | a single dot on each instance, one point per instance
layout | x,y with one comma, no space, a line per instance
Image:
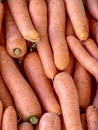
83,121
1,114
1,15
66,91
25,99
25,126
82,79
19,10
78,18
57,21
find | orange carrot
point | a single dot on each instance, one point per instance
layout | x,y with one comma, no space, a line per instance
35,73
9,121
1,15
66,91
49,121
78,18
15,43
25,126
91,47
25,99
38,11
5,95
57,33
92,6
83,56
84,121
82,79
92,118
21,16
1,114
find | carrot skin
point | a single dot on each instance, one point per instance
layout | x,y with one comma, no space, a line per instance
25,126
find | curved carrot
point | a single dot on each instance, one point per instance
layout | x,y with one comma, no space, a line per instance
9,121
83,56
25,100
15,43
57,33
78,18
92,118
35,73
25,126
83,121
21,16
1,15
66,91
5,95
92,6
49,121
1,114
82,79
38,12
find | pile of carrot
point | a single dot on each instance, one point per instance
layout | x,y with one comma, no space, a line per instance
49,65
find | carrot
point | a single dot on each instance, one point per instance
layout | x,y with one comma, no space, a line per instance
49,121
57,33
21,16
15,43
25,100
1,114
25,126
9,121
84,121
91,47
1,15
92,118
92,6
5,95
34,70
78,18
2,37
38,11
82,79
66,91
82,56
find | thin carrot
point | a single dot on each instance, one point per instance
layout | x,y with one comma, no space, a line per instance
92,118
25,126
38,12
82,56
66,91
9,121
5,94
83,121
92,6
82,79
25,99
15,43
50,121
34,70
1,15
78,18
21,16
57,33
1,114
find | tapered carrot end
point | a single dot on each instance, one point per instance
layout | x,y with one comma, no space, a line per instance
33,120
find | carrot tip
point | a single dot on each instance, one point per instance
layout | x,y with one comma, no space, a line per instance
17,51
33,120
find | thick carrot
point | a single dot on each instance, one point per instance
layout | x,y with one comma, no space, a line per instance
15,43
50,121
92,118
1,114
1,15
5,95
83,121
25,99
21,16
25,126
82,56
78,18
91,47
9,121
57,33
66,91
82,79
34,70
38,11
92,6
